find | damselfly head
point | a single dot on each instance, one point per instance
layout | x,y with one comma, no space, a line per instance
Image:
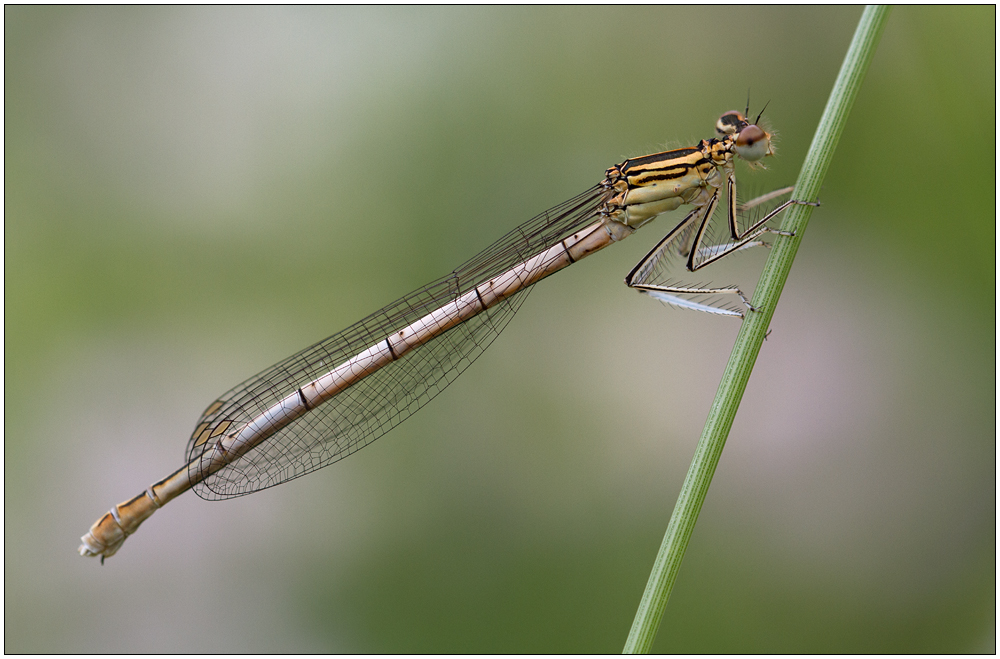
752,143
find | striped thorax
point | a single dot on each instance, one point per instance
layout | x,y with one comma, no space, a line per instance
644,187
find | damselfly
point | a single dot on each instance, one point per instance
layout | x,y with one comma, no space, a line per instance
341,394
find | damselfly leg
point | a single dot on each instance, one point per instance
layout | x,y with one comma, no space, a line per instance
686,242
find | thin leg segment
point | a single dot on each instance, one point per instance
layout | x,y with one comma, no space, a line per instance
686,240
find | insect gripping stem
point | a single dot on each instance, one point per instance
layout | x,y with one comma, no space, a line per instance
337,396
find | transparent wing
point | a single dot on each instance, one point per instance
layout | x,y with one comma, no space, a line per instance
365,411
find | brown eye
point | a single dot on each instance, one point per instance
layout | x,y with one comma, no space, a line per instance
753,143
750,136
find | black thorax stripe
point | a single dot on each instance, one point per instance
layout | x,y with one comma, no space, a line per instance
664,166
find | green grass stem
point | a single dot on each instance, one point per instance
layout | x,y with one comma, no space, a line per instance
751,335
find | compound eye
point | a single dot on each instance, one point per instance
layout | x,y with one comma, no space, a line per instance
753,143
730,123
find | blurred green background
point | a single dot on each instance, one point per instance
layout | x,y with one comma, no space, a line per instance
192,194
